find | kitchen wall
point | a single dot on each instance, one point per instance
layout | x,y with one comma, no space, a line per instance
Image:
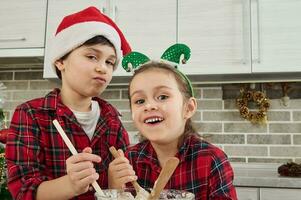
217,118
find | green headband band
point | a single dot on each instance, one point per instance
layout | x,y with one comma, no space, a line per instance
174,55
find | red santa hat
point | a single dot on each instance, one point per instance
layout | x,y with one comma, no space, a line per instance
77,28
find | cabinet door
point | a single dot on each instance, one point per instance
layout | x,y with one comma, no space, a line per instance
245,193
279,194
57,9
276,30
149,26
218,33
22,23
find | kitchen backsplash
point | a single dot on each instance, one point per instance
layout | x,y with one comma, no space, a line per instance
217,118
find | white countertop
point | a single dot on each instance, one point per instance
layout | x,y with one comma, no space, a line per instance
262,175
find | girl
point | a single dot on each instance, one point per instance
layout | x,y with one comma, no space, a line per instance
162,105
85,51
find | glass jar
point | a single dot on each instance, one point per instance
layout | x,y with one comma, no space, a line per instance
130,194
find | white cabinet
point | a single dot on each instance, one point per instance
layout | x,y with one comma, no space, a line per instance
252,193
218,33
279,194
276,41
57,9
241,36
246,193
22,27
149,26
226,37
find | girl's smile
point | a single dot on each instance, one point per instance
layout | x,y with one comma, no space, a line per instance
158,106
153,120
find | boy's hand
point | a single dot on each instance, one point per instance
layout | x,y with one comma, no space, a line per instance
81,171
120,172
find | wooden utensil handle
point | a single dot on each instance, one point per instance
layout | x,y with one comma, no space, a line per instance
115,154
74,152
164,177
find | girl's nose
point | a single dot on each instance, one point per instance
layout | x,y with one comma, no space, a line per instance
150,106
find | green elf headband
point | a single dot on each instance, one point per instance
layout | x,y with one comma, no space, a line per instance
173,55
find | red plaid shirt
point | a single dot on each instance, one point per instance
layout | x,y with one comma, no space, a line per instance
203,169
35,151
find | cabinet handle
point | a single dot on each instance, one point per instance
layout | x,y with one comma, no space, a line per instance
113,10
246,13
115,14
12,39
258,59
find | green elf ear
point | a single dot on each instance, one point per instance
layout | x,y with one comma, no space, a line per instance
174,53
133,60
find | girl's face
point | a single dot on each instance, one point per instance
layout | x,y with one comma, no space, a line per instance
158,107
87,70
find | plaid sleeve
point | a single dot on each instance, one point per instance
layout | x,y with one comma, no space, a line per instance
122,138
119,136
22,152
221,178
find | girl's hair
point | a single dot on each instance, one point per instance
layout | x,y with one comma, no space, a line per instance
99,39
182,85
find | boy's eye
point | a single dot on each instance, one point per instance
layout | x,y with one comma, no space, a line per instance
162,97
110,63
139,101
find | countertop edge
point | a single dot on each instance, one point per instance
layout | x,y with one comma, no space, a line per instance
262,175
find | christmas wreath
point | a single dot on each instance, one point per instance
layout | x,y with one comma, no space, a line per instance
260,99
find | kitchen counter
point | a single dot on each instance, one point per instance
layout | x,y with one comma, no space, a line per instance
262,175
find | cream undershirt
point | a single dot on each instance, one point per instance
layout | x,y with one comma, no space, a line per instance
88,120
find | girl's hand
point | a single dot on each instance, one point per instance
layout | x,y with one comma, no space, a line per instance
120,172
81,171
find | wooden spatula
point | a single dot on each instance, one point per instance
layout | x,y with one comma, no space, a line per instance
115,154
165,174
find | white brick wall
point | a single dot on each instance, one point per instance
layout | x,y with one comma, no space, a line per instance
217,120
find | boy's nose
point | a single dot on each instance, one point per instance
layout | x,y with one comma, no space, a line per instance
101,68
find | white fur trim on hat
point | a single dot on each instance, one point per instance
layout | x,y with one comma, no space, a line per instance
74,36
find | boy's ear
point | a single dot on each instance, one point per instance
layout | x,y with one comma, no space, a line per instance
59,64
190,109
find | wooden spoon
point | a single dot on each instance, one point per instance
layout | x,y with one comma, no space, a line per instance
115,154
165,174
74,152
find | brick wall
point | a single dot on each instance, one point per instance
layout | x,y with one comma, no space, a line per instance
217,118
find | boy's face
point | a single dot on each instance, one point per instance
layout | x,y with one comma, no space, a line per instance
87,70
157,105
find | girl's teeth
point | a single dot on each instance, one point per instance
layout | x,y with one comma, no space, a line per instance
153,120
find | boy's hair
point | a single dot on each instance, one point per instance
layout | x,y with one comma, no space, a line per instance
95,40
181,82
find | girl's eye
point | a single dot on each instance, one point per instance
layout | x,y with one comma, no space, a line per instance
139,101
92,57
162,97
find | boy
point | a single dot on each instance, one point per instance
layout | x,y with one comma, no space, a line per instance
85,51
